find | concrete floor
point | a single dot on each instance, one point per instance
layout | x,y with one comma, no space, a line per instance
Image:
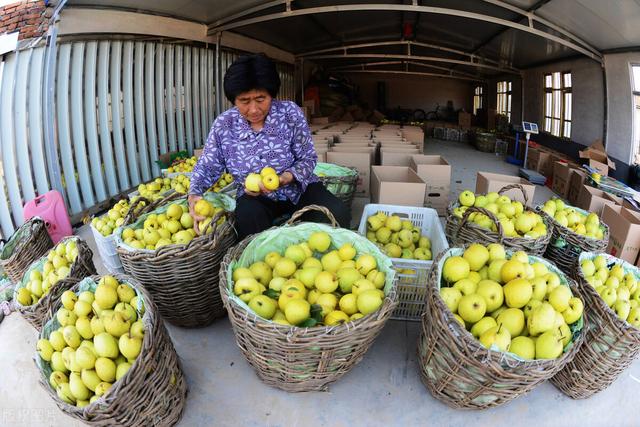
384,389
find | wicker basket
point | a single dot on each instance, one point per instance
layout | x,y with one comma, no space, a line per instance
461,231
566,246
485,142
182,279
343,186
30,242
82,267
461,372
302,359
152,392
611,344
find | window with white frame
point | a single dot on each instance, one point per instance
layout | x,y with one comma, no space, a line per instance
558,104
636,113
478,99
504,99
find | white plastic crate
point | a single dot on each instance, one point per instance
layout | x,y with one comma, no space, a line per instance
107,249
412,288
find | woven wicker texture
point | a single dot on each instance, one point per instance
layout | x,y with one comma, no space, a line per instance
460,231
82,267
343,187
152,392
300,359
33,244
485,142
461,372
611,344
566,246
183,279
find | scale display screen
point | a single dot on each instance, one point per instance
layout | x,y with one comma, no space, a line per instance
530,127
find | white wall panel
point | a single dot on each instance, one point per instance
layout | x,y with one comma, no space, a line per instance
91,125
116,105
20,126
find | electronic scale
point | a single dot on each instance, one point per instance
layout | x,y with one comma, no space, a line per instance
532,176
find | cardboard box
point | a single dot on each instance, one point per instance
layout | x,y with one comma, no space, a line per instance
396,185
410,149
613,198
487,182
561,173
576,181
393,158
435,171
322,157
593,200
547,167
624,232
360,161
631,203
538,160
311,105
596,157
320,120
464,120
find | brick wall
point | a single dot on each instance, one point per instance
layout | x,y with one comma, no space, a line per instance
26,16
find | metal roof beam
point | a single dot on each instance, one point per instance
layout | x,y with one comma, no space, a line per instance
364,65
585,49
414,57
415,73
529,14
249,11
397,43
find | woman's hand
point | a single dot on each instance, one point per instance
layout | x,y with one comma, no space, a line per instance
192,200
285,178
262,191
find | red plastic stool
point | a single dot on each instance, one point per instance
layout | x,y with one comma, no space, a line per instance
51,208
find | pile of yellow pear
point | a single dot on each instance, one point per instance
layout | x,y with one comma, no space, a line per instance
398,238
154,190
224,180
512,304
99,339
619,290
174,226
114,218
55,268
297,288
183,166
579,223
515,220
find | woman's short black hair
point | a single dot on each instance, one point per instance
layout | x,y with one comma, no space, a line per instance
251,72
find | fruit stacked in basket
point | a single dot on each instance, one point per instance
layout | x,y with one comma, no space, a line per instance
292,287
510,304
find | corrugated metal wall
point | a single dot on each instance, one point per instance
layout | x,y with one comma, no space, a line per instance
118,105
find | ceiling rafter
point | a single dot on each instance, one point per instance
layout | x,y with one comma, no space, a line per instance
413,57
415,73
531,16
399,43
365,65
575,43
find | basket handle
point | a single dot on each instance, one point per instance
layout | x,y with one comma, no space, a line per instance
492,217
214,222
515,186
298,214
132,215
